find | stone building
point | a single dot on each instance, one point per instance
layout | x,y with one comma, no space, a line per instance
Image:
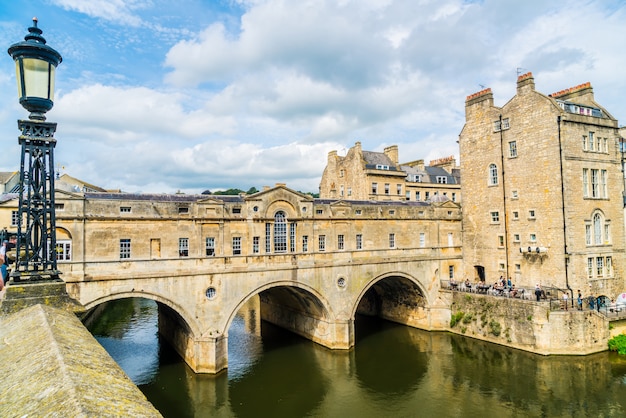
119,227
368,175
542,190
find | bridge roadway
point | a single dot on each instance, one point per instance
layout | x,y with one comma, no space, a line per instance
315,295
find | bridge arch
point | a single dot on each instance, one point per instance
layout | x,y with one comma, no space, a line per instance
396,296
184,315
294,306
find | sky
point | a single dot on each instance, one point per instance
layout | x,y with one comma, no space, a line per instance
162,96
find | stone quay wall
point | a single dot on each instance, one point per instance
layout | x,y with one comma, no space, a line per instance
528,325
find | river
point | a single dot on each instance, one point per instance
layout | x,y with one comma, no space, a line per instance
393,371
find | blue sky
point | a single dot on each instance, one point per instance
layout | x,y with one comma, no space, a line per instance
189,95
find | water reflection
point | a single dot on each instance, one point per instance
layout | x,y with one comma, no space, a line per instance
392,371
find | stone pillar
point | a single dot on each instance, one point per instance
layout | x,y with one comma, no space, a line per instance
208,355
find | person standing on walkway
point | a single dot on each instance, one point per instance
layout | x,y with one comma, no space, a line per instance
538,292
580,301
3,260
565,300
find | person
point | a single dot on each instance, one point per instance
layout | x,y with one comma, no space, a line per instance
509,284
513,292
4,261
565,300
468,285
538,292
580,300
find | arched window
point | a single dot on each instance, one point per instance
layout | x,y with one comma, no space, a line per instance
597,229
493,174
280,232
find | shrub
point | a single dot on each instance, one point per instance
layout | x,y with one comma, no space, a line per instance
495,327
618,343
456,318
468,318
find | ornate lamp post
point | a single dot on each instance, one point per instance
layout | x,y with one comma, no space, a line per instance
35,64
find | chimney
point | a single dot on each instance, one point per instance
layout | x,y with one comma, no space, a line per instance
481,99
392,153
525,83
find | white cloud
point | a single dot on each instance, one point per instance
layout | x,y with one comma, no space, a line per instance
121,11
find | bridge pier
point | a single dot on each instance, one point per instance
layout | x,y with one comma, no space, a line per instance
202,355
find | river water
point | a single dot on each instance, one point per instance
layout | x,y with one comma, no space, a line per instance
393,371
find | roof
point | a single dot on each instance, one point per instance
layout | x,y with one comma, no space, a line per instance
5,176
377,158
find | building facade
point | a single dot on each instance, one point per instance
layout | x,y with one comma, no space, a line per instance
543,187
378,176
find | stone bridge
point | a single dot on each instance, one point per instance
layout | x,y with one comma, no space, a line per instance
315,295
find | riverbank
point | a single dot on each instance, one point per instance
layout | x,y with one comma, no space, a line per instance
52,366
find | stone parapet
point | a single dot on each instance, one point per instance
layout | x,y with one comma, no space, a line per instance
52,366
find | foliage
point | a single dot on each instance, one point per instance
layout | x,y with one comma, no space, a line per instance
495,327
456,318
618,343
468,318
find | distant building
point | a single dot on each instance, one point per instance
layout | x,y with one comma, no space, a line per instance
542,190
368,175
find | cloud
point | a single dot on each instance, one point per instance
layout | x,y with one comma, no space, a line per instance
120,11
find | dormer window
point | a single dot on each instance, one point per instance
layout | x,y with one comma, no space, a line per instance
382,167
442,179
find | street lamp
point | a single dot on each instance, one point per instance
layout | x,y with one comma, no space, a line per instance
35,64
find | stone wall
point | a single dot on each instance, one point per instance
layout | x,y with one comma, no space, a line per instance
528,325
52,366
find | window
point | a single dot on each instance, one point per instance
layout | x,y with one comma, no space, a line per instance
236,245
514,194
518,267
64,250
210,246
591,140
493,175
407,195
450,239
505,123
183,210
255,245
451,272
340,242
516,237
268,238
422,239
417,178
399,189
359,241
495,217
374,188
513,149
608,266
442,179
183,247
454,197
349,191
386,188
341,173
607,233
533,238
236,210
358,212
531,214
588,234
15,218
590,267
585,182
305,243
417,196
392,240
322,242
292,237
392,212
124,248
280,232
341,190
382,167
585,142
59,207
125,209
606,145
603,190
500,240
597,229
515,215
318,211
599,266
426,195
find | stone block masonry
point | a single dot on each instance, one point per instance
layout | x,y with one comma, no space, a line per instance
528,325
52,366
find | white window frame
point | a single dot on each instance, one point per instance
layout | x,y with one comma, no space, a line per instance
125,247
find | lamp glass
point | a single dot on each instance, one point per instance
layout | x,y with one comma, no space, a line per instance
37,76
